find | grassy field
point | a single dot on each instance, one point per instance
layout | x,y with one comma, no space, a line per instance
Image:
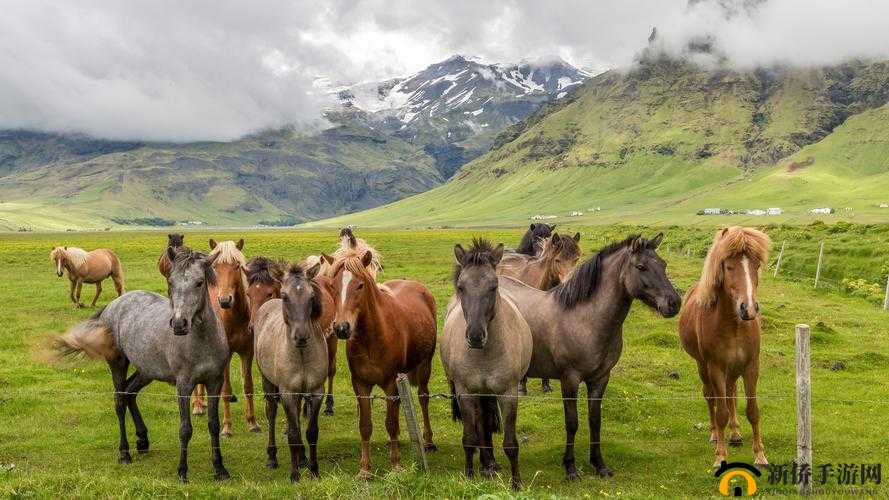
59,436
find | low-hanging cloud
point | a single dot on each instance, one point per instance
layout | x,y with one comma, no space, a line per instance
200,70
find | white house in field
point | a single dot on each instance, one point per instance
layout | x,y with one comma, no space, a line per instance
712,211
821,211
774,211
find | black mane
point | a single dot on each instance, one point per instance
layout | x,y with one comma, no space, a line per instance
264,270
480,253
528,244
347,232
582,284
186,257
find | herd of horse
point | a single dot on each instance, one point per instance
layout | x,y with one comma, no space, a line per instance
513,314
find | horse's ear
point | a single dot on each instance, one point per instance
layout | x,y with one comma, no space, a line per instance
327,258
656,241
171,254
556,240
240,244
367,258
313,271
552,228
532,226
636,245
577,237
459,253
497,254
212,258
212,243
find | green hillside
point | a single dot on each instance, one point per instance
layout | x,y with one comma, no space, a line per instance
659,143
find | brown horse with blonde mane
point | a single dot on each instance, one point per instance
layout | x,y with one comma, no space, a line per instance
349,245
229,299
264,280
390,329
720,328
87,267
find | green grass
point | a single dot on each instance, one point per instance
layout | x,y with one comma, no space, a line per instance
59,436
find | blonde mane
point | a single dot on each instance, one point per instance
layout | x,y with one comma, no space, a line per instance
346,250
76,256
229,254
727,243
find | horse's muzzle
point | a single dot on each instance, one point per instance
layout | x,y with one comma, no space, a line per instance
302,343
179,326
60,274
342,330
226,302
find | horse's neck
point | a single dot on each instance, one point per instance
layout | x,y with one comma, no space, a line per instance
72,269
372,319
610,303
210,326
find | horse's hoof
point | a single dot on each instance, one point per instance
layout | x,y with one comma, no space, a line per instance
546,389
314,470
222,475
197,410
183,478
227,432
294,476
255,428
761,463
429,447
488,472
272,465
125,458
363,475
516,484
328,412
572,476
735,441
142,447
604,472
304,462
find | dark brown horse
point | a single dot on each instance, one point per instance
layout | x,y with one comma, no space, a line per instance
390,329
578,327
530,243
720,328
264,279
164,264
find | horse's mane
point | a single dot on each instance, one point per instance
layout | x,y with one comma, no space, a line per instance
529,240
297,272
76,255
186,258
583,282
480,253
352,246
264,270
229,254
727,243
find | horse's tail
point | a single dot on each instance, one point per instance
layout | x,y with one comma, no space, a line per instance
455,405
490,413
91,337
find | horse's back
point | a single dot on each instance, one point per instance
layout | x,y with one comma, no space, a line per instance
139,321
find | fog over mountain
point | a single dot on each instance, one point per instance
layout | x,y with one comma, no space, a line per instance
202,70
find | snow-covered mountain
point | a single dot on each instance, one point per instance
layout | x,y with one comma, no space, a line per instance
456,107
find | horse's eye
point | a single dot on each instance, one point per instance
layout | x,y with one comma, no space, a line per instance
360,286
269,295
199,284
640,267
285,298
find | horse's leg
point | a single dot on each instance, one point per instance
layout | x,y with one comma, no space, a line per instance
509,405
365,426
486,433
183,391
77,302
751,377
708,398
73,289
271,412
119,378
213,389
118,283
545,387
199,405
523,386
312,430
731,393
136,383
294,437
718,392
226,395
569,395
331,371
595,391
471,430
392,424
98,292
247,376
423,373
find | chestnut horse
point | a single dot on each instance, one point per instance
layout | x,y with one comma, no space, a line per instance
349,245
264,279
87,267
229,299
720,328
390,329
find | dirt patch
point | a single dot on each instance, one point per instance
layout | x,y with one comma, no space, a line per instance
799,165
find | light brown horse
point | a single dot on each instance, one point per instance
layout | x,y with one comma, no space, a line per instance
87,267
349,245
229,299
390,329
720,328
551,266
264,279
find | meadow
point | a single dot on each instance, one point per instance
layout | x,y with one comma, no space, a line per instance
59,436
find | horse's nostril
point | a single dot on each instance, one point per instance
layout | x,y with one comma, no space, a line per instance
756,307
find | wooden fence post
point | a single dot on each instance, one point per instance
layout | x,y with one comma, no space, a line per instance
886,298
818,270
780,257
410,417
803,404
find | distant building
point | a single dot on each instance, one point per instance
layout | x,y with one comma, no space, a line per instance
712,211
884,205
756,211
774,211
575,214
821,211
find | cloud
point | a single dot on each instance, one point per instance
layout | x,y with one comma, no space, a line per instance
202,70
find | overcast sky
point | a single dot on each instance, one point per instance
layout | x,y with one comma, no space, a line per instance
216,70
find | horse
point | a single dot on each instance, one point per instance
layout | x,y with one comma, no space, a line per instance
164,264
87,267
349,245
264,277
577,327
291,352
556,259
530,242
719,326
178,340
389,329
485,349
229,298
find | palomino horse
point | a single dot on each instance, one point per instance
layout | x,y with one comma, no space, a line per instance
485,349
720,328
264,277
177,340
87,267
530,243
291,352
557,257
577,327
390,329
229,298
349,245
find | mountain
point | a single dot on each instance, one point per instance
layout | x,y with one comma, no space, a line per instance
388,140
668,138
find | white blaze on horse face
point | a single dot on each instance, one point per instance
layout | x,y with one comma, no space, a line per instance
749,281
59,265
347,278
